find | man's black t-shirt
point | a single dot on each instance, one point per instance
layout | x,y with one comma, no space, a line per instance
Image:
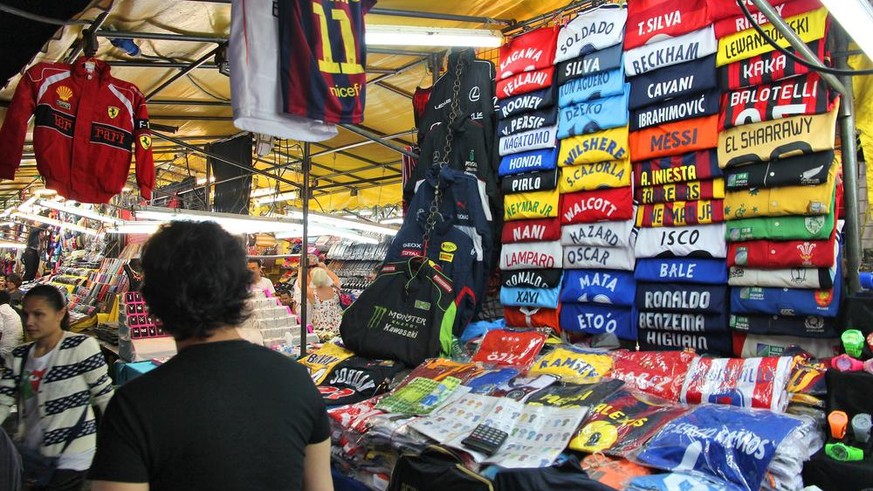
226,415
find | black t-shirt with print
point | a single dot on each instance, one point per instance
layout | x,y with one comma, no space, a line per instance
217,416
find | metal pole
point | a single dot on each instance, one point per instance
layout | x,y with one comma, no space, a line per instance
852,230
157,64
438,16
253,170
208,187
304,251
183,72
160,36
797,43
378,139
94,26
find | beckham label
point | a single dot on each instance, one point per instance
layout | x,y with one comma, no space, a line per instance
680,49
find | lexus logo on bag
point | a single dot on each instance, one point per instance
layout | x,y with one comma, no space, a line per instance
474,94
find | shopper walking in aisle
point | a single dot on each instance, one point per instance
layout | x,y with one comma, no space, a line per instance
30,257
11,334
324,304
53,381
258,280
13,284
223,414
313,264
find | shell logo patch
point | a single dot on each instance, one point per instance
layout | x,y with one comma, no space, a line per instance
64,93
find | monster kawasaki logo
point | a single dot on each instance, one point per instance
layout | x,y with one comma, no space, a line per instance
376,318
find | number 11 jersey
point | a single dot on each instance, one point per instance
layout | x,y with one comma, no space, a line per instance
322,58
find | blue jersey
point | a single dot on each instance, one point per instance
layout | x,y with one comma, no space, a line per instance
593,115
535,160
595,85
599,286
682,270
599,319
529,297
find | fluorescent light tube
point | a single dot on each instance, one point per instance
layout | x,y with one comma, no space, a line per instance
358,224
73,210
237,224
387,35
56,223
4,244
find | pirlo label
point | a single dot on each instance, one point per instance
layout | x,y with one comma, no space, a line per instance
606,145
595,206
760,142
742,45
588,177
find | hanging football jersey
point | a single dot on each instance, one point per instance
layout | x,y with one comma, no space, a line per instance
680,49
588,177
604,234
595,85
594,206
255,92
682,270
716,343
319,82
527,52
692,166
532,278
677,109
808,26
532,317
674,138
672,81
529,297
766,68
599,286
526,122
534,160
594,257
800,170
815,278
783,254
590,31
593,115
595,147
804,94
811,326
682,298
661,21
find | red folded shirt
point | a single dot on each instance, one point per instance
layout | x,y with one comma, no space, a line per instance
653,21
531,51
767,254
603,205
536,230
525,82
533,317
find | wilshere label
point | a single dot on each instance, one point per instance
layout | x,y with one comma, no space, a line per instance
595,147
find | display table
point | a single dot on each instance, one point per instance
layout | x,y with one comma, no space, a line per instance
125,372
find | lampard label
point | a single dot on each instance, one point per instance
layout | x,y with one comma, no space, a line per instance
530,255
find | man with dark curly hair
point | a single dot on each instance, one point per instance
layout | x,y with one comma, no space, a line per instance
223,414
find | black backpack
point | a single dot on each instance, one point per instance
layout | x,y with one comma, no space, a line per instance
436,469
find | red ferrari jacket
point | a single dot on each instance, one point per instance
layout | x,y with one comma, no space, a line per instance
85,124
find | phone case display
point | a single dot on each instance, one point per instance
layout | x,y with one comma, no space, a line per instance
140,335
356,264
275,321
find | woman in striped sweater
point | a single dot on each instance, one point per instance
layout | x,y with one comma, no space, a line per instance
53,381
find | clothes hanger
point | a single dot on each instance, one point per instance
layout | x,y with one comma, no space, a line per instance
90,45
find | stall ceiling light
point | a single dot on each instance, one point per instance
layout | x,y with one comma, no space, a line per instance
237,224
266,200
5,244
56,223
74,210
856,17
356,224
387,35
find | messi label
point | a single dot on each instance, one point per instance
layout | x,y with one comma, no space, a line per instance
674,138
680,49
532,101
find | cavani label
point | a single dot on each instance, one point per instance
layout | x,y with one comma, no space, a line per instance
742,45
673,81
595,147
760,142
588,177
674,138
669,52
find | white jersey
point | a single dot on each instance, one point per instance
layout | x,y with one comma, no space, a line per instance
256,95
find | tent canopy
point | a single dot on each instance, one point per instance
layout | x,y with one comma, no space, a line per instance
192,105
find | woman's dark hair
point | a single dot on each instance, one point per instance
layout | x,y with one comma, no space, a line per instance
14,279
54,298
195,279
5,297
